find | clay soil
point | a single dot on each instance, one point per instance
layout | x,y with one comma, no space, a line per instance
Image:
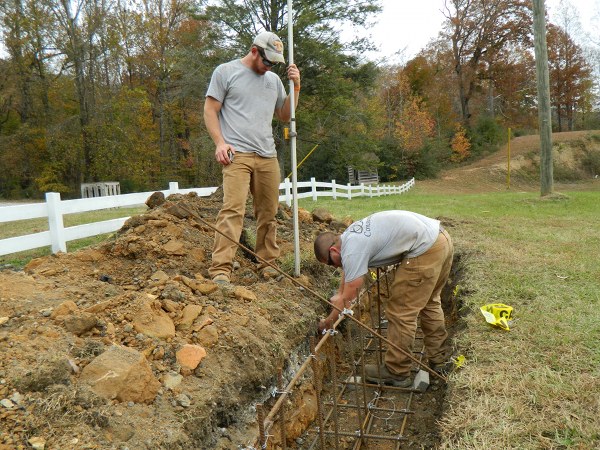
136,291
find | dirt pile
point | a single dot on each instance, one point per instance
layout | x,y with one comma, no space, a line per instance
129,345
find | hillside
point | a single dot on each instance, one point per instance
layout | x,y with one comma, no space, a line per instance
571,151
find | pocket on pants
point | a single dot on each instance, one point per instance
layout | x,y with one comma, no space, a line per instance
418,277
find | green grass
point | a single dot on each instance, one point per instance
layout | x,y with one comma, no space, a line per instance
536,386
24,227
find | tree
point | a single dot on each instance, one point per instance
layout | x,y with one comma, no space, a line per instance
479,30
570,77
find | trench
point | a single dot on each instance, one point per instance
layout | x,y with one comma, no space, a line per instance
320,400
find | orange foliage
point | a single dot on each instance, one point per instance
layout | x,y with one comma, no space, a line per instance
460,145
414,125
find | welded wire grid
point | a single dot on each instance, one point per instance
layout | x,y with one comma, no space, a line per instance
352,413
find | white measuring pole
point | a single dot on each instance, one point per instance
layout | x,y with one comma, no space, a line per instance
293,144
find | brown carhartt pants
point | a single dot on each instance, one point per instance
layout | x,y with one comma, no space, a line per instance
261,176
415,292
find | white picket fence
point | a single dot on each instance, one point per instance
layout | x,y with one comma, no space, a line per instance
54,209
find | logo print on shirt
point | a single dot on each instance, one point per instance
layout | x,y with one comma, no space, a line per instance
358,227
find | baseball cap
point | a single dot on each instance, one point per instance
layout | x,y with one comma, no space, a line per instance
272,46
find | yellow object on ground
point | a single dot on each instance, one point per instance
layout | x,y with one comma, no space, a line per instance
498,314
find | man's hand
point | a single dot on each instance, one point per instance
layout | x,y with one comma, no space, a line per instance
222,154
327,323
294,74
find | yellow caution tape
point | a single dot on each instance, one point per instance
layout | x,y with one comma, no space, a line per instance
498,314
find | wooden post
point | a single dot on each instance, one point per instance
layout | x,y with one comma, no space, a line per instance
508,162
543,87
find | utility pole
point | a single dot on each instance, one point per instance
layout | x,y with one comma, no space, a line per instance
543,87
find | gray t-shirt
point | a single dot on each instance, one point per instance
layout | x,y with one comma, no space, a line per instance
249,101
385,238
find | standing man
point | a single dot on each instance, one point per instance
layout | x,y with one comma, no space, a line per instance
241,100
423,252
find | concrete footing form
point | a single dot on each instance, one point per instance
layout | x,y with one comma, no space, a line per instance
350,413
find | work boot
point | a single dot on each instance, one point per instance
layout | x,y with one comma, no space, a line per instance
442,368
384,376
221,279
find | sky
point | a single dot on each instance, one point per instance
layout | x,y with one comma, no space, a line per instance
409,25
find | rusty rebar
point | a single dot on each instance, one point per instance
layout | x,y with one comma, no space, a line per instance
317,382
261,425
336,417
352,346
282,410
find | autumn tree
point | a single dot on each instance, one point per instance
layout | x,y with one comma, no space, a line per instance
460,144
570,78
479,30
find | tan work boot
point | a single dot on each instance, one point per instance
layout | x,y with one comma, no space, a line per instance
384,376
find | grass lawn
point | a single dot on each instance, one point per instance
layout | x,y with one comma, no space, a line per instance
24,227
536,386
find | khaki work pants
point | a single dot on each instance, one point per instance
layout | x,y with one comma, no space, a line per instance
416,292
261,176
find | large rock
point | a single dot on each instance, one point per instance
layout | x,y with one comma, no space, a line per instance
123,374
322,215
189,356
152,321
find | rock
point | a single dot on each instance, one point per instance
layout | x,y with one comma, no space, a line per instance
3,320
123,374
189,356
322,215
183,400
337,226
155,200
6,403
88,255
159,277
175,247
79,324
17,398
244,294
158,223
172,380
151,320
190,313
201,323
178,211
197,254
37,443
64,308
304,216
208,336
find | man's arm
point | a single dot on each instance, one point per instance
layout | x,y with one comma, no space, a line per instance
343,299
211,119
284,113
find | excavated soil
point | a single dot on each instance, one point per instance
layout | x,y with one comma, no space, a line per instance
129,345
